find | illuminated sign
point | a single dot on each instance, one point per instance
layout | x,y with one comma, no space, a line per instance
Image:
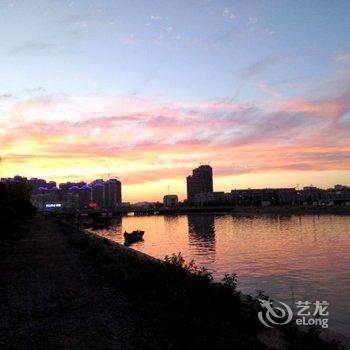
53,205
92,205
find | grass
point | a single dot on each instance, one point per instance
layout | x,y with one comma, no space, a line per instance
180,304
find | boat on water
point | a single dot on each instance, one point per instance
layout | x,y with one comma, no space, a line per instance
133,237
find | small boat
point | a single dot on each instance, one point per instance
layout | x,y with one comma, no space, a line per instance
134,236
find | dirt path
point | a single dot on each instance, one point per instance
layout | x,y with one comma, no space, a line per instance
50,300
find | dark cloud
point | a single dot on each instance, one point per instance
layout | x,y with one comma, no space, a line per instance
6,96
31,46
262,65
35,90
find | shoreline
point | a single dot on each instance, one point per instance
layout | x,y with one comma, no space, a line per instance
292,210
325,334
282,211
119,246
102,294
250,210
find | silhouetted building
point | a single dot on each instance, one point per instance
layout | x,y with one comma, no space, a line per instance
263,196
34,184
212,198
337,195
18,185
67,185
341,188
311,194
98,194
170,200
85,196
113,194
106,194
201,181
55,200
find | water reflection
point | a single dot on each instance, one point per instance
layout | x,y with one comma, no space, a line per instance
201,229
115,229
171,223
301,257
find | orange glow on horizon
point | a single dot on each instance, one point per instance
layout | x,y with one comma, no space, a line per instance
151,145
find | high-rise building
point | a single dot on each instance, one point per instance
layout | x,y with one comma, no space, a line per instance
98,193
55,200
113,194
34,184
85,194
18,185
201,181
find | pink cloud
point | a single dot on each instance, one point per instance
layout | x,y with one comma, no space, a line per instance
166,139
342,57
329,107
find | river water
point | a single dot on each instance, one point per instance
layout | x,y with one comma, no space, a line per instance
291,258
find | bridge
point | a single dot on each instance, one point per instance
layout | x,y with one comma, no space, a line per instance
137,211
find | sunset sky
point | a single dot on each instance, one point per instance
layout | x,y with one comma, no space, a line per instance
147,90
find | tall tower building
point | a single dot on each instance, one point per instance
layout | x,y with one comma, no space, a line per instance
113,193
201,181
98,193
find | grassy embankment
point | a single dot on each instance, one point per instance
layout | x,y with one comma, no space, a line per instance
181,305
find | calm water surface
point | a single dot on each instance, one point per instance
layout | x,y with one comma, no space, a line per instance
300,257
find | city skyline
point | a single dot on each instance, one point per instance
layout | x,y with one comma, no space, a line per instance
146,92
199,188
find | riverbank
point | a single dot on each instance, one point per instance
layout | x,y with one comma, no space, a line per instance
250,210
292,210
268,337
220,296
51,298
61,288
